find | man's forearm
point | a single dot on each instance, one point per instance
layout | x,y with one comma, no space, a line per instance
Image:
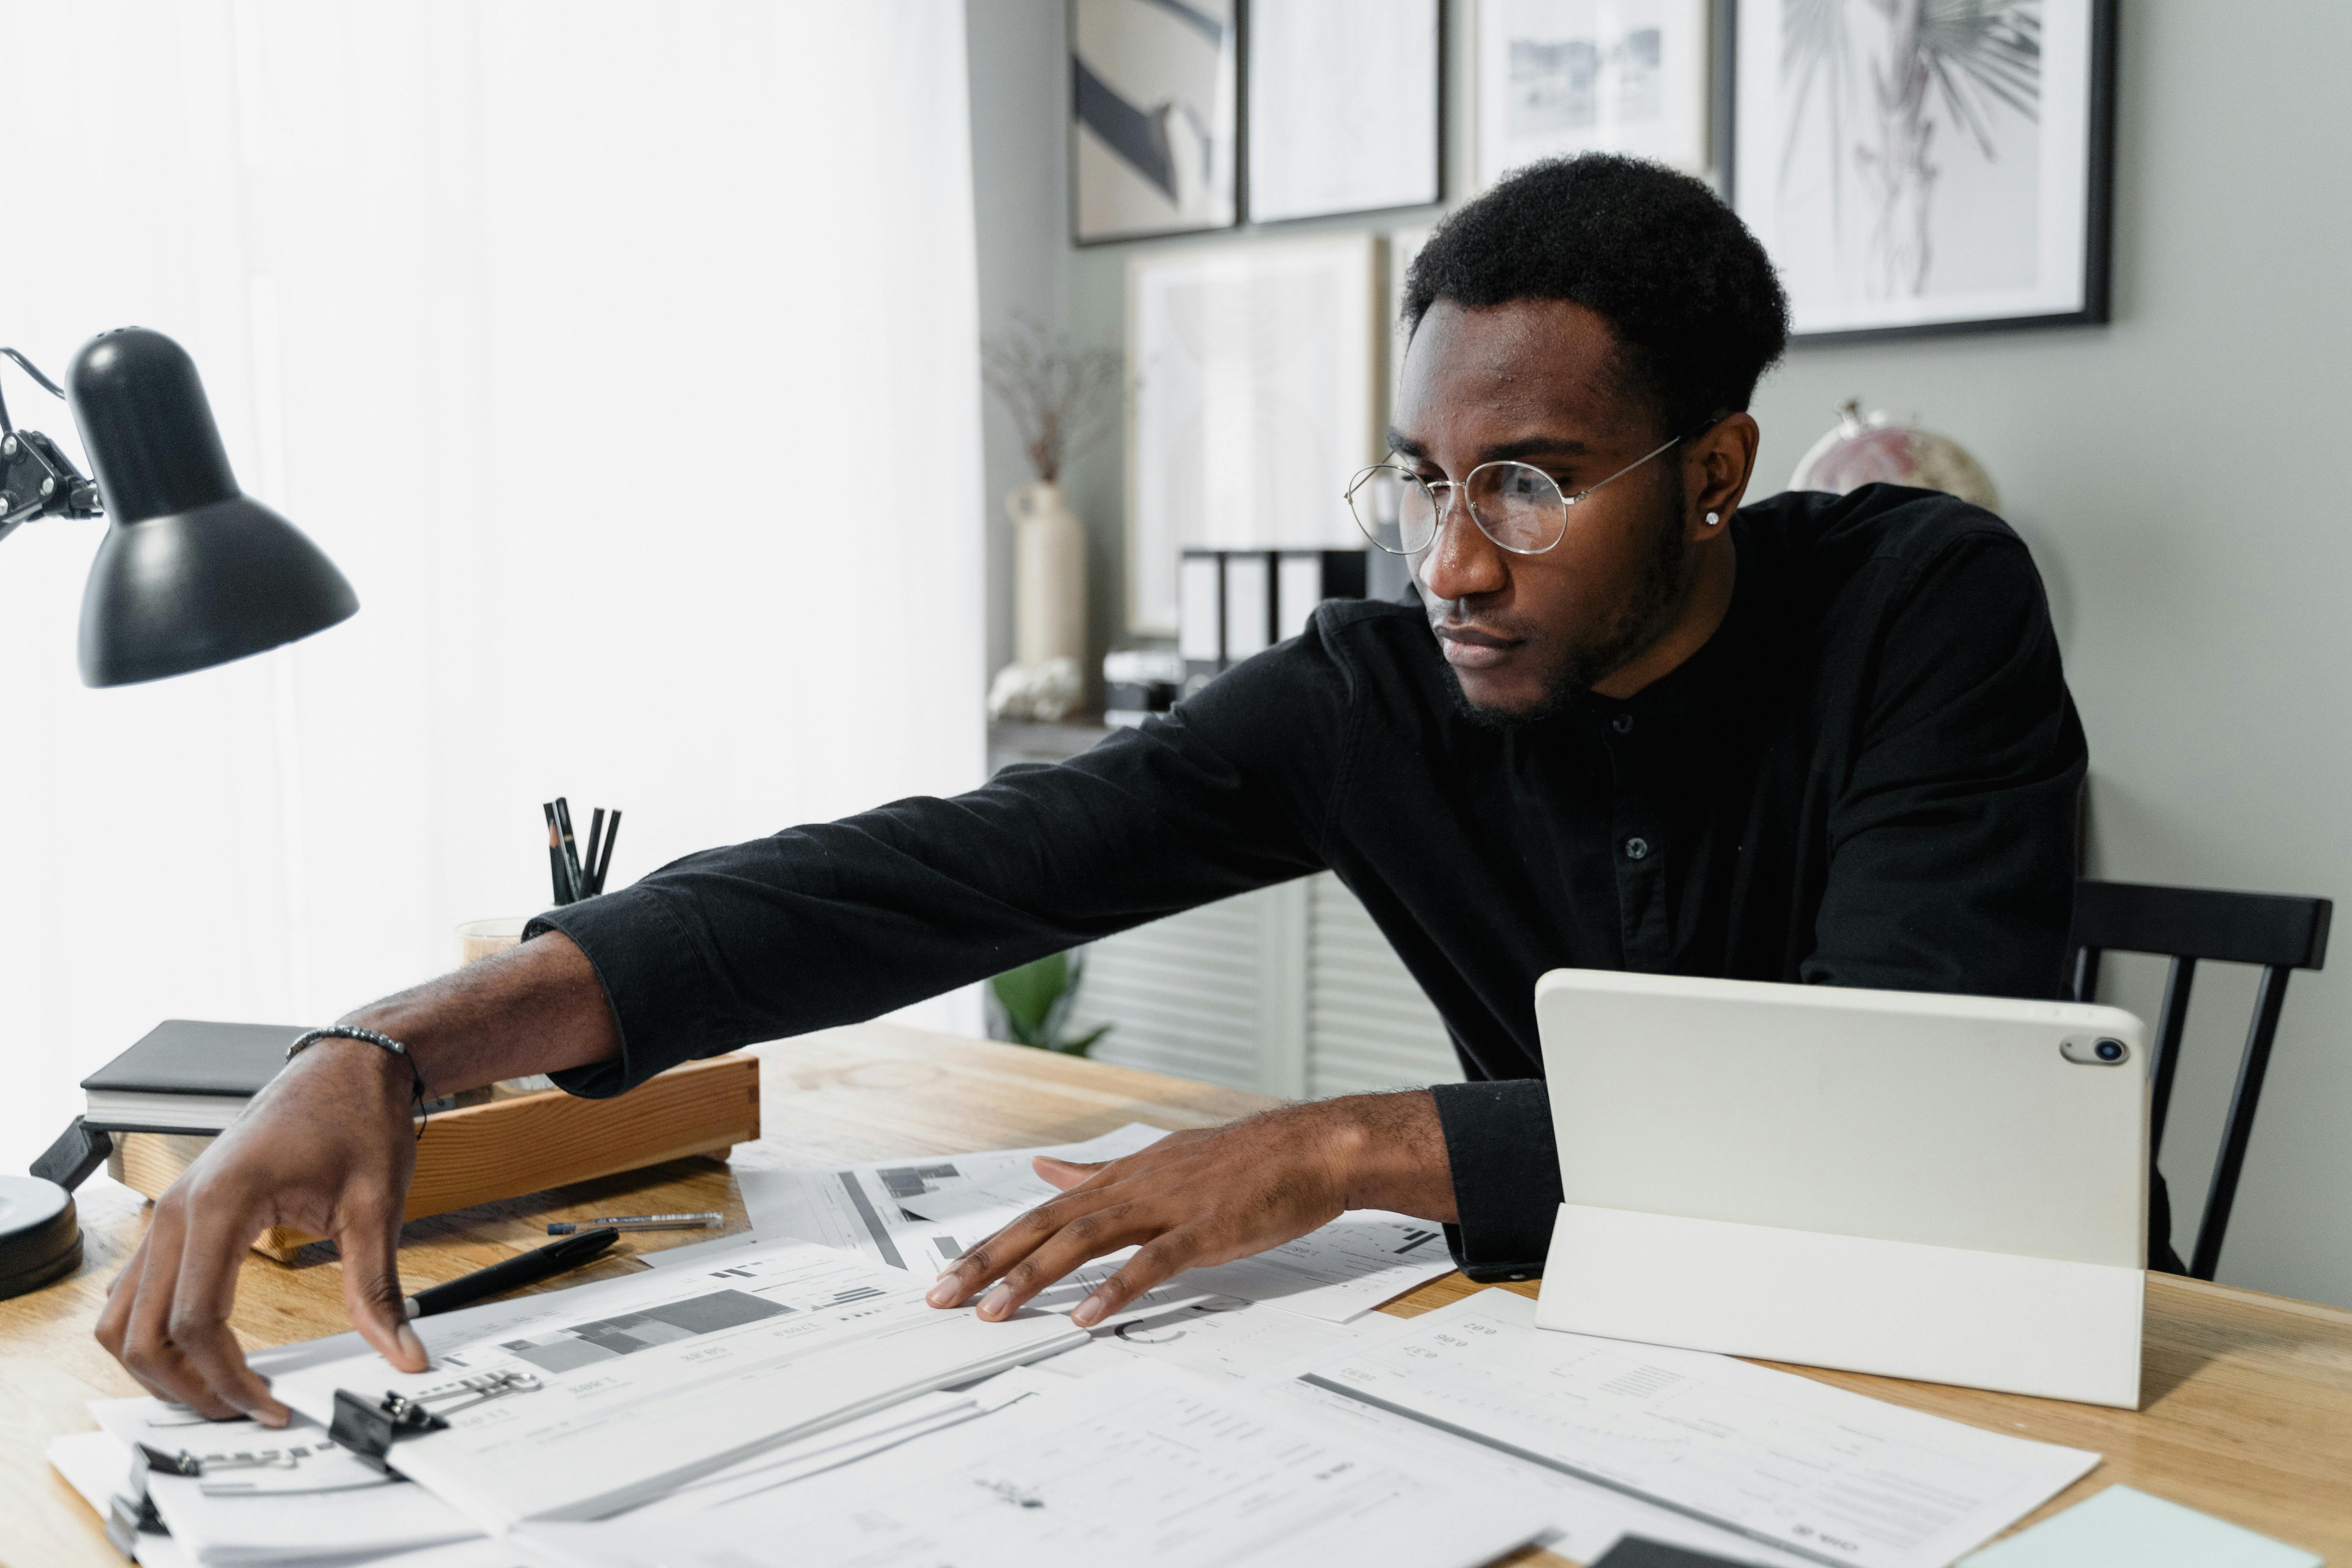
1391,1148
537,1008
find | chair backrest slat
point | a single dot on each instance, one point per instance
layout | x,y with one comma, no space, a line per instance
2268,929
2280,932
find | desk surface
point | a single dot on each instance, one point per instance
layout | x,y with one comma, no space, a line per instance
2248,1398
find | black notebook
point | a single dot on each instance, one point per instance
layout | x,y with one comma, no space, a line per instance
186,1076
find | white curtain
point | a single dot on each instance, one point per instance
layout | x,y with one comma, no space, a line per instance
623,357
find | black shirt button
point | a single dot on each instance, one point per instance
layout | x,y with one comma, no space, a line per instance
1637,849
1622,724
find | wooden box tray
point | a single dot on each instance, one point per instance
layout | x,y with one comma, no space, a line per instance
516,1143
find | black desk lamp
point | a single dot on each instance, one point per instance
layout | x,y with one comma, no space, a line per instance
193,573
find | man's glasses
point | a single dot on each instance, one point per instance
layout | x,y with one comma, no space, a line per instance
1518,506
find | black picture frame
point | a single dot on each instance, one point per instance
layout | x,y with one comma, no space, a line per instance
1087,107
2097,208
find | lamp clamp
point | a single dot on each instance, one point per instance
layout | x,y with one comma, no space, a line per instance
37,479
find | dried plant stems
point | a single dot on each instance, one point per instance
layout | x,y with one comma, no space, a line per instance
1061,397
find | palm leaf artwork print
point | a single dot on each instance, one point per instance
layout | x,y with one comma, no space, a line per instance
1882,89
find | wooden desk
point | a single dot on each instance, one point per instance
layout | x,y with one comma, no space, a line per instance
2248,1398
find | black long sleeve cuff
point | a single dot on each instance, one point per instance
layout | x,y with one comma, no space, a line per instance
1505,1165
645,962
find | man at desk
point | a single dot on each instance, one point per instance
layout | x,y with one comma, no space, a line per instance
1626,725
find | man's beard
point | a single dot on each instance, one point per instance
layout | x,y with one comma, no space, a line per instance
1640,617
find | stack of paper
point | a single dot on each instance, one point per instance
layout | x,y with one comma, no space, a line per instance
1244,1414
629,1388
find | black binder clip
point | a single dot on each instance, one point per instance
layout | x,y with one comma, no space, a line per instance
367,1431
131,1514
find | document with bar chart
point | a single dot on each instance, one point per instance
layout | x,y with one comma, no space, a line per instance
873,1208
618,1392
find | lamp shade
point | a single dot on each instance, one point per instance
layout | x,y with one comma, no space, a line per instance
191,572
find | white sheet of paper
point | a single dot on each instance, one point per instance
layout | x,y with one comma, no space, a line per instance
815,1454
1363,1258
98,1466
1778,1458
1141,1466
296,1498
1584,1519
648,1382
479,1553
694,1255
1267,1349
1224,1337
863,1208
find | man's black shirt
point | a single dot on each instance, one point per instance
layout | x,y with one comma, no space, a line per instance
1868,776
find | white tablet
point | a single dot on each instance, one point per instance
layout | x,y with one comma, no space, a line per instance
1853,1178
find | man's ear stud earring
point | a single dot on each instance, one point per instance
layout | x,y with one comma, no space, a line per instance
1712,518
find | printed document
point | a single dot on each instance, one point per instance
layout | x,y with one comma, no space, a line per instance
97,1467
1139,1466
863,1208
274,1494
1268,1350
613,1394
924,1214
1830,1475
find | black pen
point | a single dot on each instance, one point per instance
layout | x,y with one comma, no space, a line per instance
580,889
611,831
513,1275
563,894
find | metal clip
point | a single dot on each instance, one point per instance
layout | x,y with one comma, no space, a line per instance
368,1431
130,1515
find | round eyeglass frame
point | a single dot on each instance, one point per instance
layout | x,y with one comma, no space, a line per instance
1444,508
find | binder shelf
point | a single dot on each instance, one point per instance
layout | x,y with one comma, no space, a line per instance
519,1143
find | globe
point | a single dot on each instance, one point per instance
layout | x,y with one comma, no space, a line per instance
1879,449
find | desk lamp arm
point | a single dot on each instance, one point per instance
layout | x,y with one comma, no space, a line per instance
36,479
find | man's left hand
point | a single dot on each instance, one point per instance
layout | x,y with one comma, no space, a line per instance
1209,1196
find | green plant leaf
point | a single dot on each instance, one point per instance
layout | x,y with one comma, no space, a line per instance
1028,994
1083,1043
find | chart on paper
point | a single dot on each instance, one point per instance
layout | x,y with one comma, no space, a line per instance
923,1215
615,1393
866,1208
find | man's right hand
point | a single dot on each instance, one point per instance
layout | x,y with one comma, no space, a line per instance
327,1147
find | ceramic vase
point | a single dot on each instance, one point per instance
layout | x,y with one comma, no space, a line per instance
1049,577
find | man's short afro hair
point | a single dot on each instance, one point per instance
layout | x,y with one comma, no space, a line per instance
1693,297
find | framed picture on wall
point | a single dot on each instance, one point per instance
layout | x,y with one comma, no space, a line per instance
1344,105
1560,77
1251,400
1403,245
1929,168
1153,117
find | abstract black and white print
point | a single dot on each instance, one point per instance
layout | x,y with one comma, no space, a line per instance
1152,106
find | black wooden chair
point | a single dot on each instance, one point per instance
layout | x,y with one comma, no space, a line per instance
2186,924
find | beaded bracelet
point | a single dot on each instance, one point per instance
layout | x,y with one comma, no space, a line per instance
384,1042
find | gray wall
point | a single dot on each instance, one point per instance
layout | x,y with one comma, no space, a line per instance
2170,471
1020,231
